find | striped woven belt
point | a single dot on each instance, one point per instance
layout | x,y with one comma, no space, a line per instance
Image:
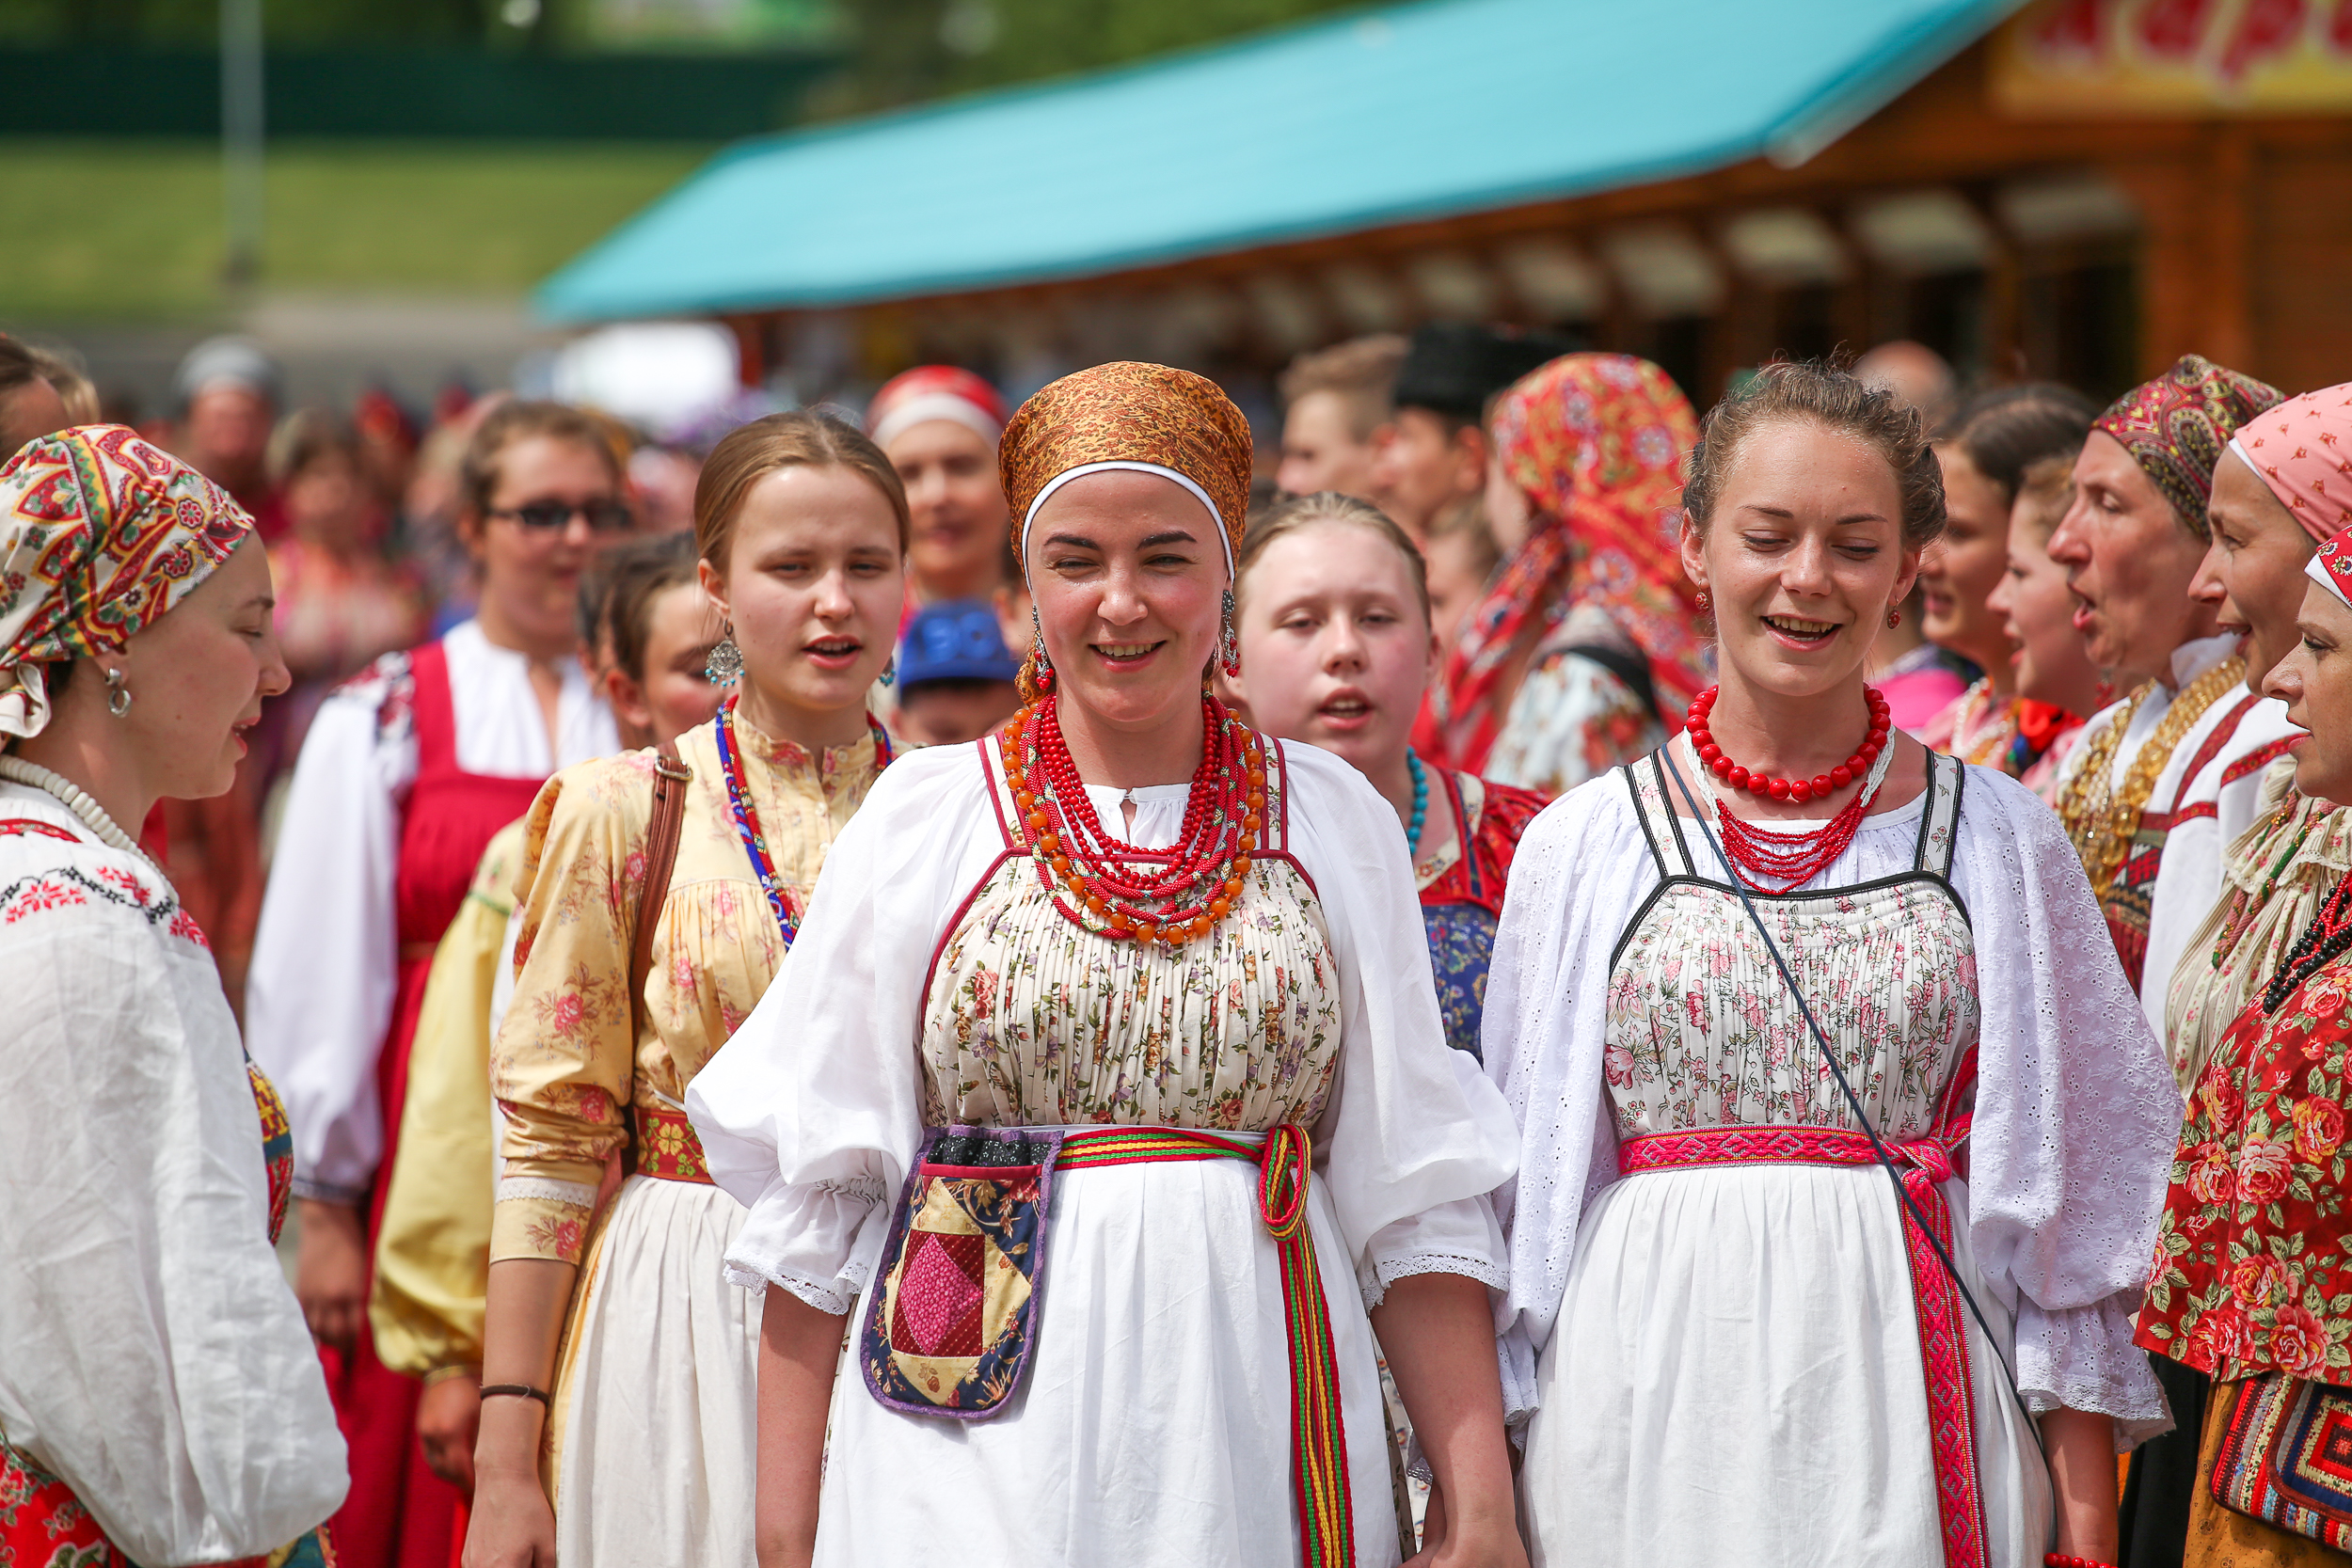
667,1147
1318,1440
1943,1330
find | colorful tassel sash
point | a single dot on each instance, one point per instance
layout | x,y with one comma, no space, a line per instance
1318,1440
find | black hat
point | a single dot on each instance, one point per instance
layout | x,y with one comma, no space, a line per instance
1454,369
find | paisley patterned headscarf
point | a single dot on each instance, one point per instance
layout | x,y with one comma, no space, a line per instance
2176,425
1595,441
2303,450
1127,414
100,532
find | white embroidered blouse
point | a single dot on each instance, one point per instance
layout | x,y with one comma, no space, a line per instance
152,1356
324,970
2076,1112
814,1112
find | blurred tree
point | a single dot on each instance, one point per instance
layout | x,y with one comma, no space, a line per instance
902,51
908,51
196,23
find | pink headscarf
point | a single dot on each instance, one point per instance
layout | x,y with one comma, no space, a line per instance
2302,448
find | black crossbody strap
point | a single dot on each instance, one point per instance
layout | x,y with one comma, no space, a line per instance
1862,1117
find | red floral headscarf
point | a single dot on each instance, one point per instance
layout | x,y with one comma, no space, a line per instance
1597,442
100,532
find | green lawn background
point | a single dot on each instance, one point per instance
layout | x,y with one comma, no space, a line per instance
132,231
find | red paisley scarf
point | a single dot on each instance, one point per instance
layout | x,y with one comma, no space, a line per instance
1597,442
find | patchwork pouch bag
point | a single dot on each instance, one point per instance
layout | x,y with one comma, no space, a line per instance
951,1320
2286,1457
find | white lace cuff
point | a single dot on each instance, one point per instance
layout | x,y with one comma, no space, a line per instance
2083,1359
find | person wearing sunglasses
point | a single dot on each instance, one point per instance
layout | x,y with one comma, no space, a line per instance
1734,977
407,773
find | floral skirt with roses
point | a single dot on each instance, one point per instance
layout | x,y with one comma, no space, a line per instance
2252,1272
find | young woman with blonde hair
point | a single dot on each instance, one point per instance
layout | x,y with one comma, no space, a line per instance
629,983
1734,978
1332,603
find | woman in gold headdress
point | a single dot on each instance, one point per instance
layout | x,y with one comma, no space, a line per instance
1057,1010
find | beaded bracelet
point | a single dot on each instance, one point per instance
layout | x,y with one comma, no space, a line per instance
2059,1559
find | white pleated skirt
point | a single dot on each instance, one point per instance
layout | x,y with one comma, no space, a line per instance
1735,1379
1153,1427
656,1464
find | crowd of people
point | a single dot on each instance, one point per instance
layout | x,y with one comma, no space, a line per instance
1558,979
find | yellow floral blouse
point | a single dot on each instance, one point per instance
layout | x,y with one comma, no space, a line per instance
572,1054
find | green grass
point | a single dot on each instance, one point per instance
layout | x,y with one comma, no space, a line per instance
132,231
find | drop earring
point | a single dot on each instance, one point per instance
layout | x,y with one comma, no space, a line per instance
1894,616
1230,645
1706,602
118,695
1037,654
890,670
724,666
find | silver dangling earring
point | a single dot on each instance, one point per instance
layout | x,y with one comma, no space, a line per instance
1229,647
118,695
890,670
724,666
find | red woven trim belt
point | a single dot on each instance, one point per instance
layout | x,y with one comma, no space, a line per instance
1943,1331
1327,1535
667,1147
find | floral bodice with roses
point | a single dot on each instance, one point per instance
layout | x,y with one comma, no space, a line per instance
2252,1269
573,1053
1701,1031
1030,1020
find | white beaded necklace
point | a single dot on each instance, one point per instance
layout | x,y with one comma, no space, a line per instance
75,800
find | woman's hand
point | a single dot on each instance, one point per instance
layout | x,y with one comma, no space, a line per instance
331,1272
799,1347
1438,1333
2082,1482
512,1523
448,1422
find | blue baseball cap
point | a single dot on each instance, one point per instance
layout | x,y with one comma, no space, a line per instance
955,640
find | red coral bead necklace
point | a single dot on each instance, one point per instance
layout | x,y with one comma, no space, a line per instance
1130,893
1762,856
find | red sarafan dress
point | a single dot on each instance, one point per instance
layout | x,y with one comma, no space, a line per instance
399,1513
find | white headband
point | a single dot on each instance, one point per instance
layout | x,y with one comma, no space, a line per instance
935,405
1084,468
2316,569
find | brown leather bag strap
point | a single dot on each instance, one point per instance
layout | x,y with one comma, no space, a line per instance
670,779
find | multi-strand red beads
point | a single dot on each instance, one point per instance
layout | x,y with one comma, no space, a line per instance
1200,876
2059,1559
1819,787
1773,861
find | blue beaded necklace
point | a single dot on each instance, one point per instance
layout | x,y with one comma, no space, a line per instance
1421,803
747,817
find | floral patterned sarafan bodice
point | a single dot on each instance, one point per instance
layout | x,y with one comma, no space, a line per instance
1030,1020
1703,1031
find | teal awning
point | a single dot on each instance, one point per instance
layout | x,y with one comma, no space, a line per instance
1410,112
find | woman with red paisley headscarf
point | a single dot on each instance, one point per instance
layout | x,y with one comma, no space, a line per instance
1588,640
160,1401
